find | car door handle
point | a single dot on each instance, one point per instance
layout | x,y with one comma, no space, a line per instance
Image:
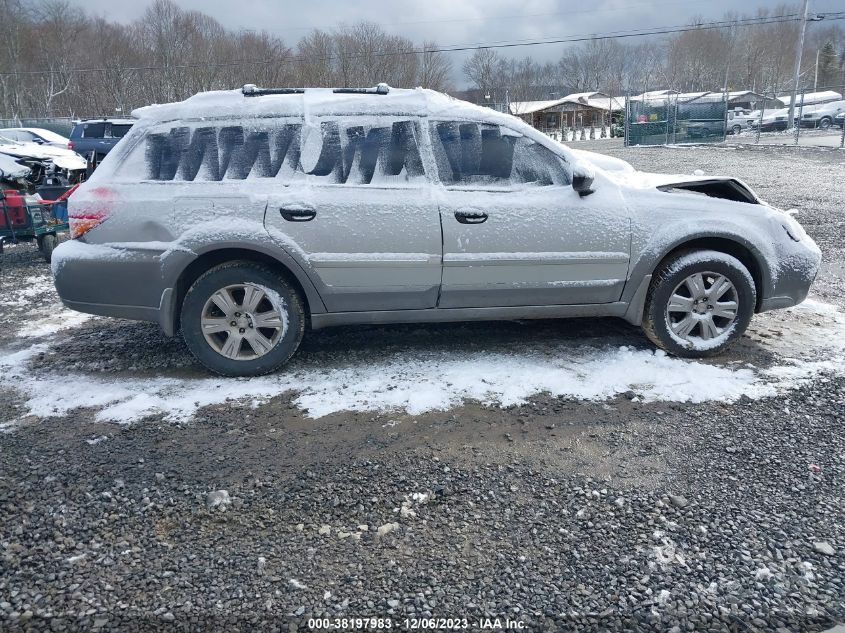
298,214
470,217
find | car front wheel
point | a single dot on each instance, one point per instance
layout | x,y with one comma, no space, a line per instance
825,123
242,319
699,303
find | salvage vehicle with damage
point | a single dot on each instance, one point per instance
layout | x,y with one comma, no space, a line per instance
242,218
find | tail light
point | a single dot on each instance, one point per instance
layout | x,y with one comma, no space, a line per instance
70,144
88,208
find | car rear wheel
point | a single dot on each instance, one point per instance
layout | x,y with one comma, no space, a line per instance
47,244
699,303
825,122
736,129
242,319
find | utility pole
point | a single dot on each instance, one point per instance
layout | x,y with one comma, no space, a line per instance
798,53
816,79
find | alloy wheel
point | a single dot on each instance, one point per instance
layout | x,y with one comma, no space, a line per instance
244,321
702,309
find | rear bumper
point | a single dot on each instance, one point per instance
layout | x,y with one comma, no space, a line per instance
113,282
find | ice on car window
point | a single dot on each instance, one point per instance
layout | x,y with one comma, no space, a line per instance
356,153
482,154
345,151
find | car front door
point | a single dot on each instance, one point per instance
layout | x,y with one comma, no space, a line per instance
515,233
361,214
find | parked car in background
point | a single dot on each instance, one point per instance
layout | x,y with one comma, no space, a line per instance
740,119
61,157
98,136
821,116
241,217
773,121
28,166
704,129
36,135
839,120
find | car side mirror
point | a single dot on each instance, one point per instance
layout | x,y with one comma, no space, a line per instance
582,183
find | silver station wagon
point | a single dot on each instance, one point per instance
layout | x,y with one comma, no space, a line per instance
242,218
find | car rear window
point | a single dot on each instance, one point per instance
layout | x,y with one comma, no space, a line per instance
119,130
93,130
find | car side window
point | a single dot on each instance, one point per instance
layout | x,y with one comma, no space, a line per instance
119,130
229,151
363,151
470,154
93,130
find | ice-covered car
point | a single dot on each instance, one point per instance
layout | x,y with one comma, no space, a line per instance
243,217
773,120
43,163
36,135
820,116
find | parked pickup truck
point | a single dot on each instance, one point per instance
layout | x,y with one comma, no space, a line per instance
740,119
98,136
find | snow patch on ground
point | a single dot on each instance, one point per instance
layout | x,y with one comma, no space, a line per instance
814,342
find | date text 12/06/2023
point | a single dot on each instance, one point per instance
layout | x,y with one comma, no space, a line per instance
414,624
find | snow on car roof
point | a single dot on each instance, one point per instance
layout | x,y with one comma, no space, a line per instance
51,136
322,102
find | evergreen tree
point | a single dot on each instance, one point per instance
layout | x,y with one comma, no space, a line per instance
829,74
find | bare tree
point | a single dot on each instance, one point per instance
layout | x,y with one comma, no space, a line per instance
481,70
435,68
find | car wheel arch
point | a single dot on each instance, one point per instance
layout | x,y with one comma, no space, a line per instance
216,256
732,245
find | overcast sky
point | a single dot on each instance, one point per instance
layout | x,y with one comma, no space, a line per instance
458,22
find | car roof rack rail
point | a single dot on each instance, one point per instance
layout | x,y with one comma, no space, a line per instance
380,89
251,90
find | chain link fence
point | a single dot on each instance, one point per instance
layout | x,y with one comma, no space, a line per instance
671,118
818,120
667,117
59,125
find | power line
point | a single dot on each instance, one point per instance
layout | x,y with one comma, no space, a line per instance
612,35
510,17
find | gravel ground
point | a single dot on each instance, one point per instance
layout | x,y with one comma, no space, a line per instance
558,514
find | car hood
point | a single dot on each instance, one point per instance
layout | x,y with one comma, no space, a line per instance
722,187
10,168
61,158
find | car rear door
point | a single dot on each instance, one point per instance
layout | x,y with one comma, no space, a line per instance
359,212
515,233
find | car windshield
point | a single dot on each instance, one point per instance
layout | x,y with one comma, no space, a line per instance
6,141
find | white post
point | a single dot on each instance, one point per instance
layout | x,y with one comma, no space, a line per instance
798,53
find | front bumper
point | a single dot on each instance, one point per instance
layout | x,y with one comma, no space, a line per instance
796,268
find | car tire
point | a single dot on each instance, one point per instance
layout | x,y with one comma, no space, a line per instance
47,244
691,312
736,129
223,311
825,122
